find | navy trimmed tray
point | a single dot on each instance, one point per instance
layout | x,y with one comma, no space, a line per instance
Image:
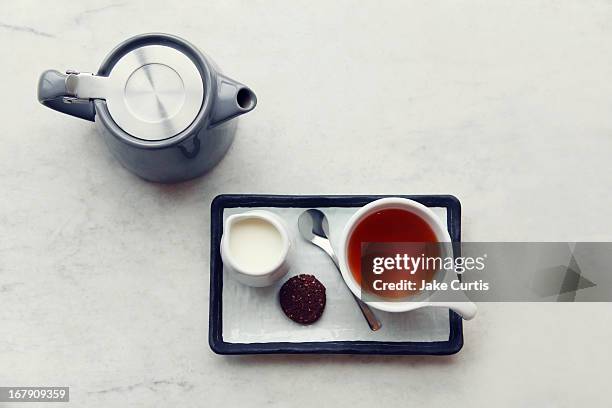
215,332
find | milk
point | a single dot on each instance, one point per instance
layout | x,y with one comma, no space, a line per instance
255,244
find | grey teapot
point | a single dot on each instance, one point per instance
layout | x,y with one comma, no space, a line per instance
161,105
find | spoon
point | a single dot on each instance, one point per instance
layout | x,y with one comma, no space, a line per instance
314,228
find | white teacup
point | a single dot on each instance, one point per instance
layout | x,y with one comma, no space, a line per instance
466,309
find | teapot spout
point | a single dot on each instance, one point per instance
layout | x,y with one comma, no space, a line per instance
232,100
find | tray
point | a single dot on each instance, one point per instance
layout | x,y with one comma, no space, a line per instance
254,323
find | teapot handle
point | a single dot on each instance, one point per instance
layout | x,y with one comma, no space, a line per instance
53,94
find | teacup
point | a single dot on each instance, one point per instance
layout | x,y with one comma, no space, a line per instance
466,309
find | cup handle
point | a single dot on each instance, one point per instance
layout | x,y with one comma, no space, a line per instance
467,310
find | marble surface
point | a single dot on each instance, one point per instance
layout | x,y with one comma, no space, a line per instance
104,277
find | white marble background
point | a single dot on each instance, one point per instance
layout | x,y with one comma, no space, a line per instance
506,104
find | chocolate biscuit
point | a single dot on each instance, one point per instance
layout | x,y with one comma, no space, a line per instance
302,298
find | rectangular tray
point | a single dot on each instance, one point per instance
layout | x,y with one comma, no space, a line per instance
226,203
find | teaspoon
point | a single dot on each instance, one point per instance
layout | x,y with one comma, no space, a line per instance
314,228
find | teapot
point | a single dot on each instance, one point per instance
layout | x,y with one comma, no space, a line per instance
162,106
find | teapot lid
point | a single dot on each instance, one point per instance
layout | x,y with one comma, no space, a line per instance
153,92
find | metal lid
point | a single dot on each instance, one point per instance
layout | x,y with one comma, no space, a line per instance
153,92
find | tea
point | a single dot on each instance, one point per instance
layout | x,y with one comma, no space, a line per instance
393,226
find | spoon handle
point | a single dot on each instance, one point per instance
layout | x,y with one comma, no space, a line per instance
368,314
